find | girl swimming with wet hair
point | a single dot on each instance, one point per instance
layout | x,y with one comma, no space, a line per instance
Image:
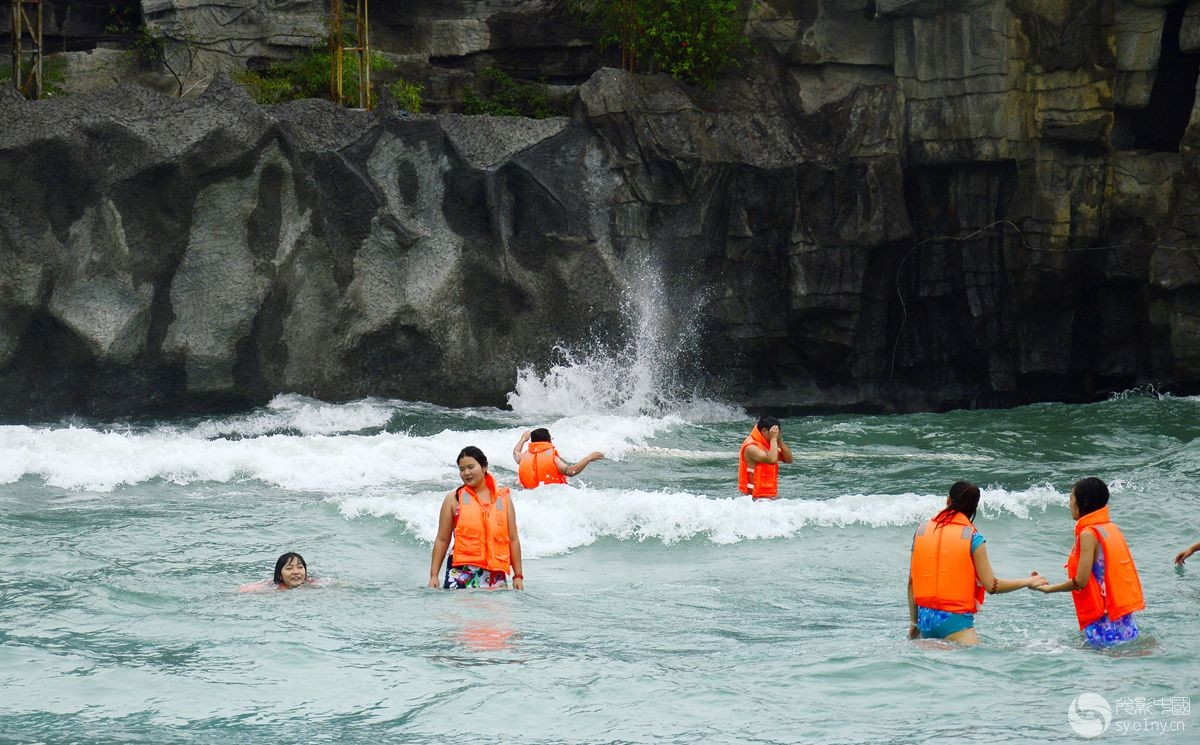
291,571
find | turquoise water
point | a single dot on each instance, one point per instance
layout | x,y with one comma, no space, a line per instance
660,607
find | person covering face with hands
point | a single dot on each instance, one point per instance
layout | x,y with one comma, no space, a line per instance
758,460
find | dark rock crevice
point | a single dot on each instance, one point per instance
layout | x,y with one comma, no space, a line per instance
1161,124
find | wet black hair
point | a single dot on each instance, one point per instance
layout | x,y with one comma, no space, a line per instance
765,423
282,561
1091,494
470,451
541,434
964,498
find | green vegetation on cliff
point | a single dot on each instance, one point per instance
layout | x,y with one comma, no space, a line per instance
307,76
692,40
503,96
54,75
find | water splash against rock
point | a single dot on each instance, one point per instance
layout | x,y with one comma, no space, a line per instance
652,372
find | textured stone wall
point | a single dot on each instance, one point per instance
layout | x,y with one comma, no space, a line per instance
231,34
895,205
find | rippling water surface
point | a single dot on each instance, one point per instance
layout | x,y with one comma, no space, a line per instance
660,606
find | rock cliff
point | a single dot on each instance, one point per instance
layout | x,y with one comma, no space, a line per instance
893,206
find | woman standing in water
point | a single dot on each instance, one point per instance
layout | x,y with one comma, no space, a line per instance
481,518
1101,576
950,572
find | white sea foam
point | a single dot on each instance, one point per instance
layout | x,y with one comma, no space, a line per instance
811,455
75,458
101,460
557,519
622,383
304,415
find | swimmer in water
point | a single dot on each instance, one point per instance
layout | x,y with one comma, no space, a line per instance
483,522
950,572
759,458
541,464
291,571
1101,576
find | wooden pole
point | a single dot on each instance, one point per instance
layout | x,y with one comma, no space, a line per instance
27,80
36,32
364,58
335,52
16,44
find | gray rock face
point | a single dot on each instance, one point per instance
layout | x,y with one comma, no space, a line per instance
1139,33
936,212
823,31
445,44
925,7
1189,33
225,35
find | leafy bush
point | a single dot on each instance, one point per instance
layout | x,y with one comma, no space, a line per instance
265,90
54,75
407,95
693,40
506,97
307,75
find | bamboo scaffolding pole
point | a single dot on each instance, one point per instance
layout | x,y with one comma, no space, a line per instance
361,48
28,82
335,52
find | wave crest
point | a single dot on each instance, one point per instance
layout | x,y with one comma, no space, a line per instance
556,519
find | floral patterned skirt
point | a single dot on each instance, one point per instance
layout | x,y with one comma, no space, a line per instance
1106,633
471,577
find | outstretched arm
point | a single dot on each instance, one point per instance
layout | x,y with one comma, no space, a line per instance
1083,573
993,584
577,469
520,446
441,543
1183,555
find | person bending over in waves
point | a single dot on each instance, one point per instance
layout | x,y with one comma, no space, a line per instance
291,571
483,522
950,571
541,464
1101,576
758,460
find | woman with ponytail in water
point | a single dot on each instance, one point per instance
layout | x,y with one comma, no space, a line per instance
480,517
1101,575
950,572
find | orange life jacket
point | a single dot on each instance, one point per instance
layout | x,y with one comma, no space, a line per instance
759,480
1122,592
942,569
481,532
538,467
